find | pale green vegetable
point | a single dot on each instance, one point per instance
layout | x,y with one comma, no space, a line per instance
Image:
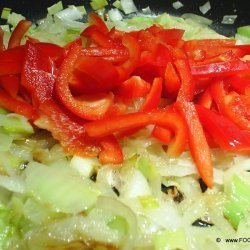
59,188
244,31
170,240
238,204
5,13
98,4
14,123
55,8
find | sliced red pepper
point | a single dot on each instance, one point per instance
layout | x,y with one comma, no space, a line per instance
198,145
205,99
94,75
132,88
11,61
90,107
99,38
94,19
2,47
37,74
17,106
221,69
114,55
18,33
129,66
10,83
110,151
162,134
162,118
151,102
207,48
224,132
186,92
236,107
240,84
68,129
55,52
153,98
172,81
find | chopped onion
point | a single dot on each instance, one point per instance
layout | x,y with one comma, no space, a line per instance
71,13
205,7
5,13
197,18
177,5
115,15
14,18
124,211
229,19
147,11
55,8
128,6
14,183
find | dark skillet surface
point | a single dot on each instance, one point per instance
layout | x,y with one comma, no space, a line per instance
37,9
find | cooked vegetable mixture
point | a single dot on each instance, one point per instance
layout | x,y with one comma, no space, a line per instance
123,133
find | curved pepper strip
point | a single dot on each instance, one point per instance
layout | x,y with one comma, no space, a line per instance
18,33
233,105
87,107
66,128
163,118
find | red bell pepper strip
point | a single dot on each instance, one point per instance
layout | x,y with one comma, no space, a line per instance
10,67
110,151
114,55
129,121
151,102
88,107
2,47
172,81
17,106
55,52
207,48
10,83
94,19
94,75
99,38
162,134
18,33
221,69
205,99
37,74
131,89
237,108
186,92
224,132
198,145
67,128
233,105
153,98
239,84
129,66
